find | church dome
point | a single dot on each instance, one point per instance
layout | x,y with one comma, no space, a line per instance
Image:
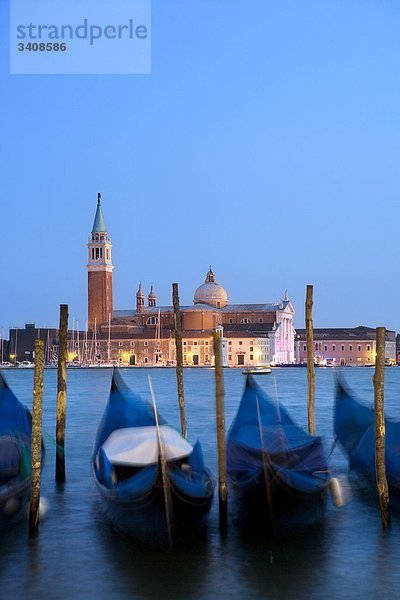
211,292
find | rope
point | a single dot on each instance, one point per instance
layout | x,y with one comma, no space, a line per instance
332,449
53,441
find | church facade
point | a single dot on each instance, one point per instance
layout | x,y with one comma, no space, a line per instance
143,335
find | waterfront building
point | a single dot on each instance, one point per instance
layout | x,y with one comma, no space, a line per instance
252,334
354,346
22,342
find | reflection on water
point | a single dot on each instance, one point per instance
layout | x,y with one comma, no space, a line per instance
78,554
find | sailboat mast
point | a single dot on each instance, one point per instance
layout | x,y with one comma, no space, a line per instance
73,344
109,339
77,342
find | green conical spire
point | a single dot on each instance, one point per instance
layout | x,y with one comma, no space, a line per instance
99,225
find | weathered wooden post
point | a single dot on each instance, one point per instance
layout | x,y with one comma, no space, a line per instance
310,361
61,394
179,357
221,440
380,468
36,440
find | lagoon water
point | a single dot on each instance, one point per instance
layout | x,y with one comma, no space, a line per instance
79,555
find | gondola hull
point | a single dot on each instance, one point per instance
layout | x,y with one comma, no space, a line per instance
15,448
277,507
143,515
13,502
355,431
277,473
134,497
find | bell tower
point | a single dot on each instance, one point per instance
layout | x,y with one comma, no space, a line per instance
100,268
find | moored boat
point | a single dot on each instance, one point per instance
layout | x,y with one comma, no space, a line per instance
355,431
15,456
277,472
128,471
257,371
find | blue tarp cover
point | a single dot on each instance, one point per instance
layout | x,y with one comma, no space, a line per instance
263,433
355,430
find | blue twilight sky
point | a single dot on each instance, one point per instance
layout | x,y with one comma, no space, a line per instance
265,142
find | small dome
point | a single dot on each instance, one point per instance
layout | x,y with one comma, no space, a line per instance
211,293
152,293
139,293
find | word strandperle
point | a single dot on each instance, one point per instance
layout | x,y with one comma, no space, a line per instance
84,31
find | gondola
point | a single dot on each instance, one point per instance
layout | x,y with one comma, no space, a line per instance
277,473
355,432
15,456
128,473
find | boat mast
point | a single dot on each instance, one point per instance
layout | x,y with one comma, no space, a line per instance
47,353
16,340
109,339
86,344
77,342
95,342
73,341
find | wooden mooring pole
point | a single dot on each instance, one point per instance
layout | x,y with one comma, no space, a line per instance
61,394
310,361
179,357
36,440
221,440
380,468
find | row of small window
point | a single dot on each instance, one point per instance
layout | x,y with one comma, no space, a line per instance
194,343
245,320
154,320
262,357
342,347
97,253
